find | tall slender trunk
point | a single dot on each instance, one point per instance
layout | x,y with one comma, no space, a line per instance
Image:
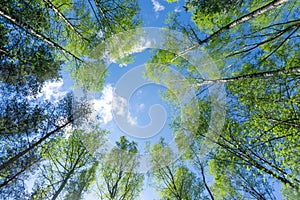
100,9
267,74
246,156
63,184
247,17
22,153
240,153
36,34
172,179
18,173
69,174
201,167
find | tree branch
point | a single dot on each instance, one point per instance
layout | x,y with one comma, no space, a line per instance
267,74
64,19
36,34
247,17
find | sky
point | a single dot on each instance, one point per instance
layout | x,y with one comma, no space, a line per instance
143,100
112,107
154,13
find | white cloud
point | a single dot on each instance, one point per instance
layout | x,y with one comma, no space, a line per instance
122,65
103,106
120,107
51,90
111,102
139,45
157,6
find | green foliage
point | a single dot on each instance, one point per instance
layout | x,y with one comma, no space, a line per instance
258,144
68,167
172,179
171,1
24,60
78,186
268,107
213,6
211,15
259,140
234,178
118,178
289,193
117,16
37,38
91,76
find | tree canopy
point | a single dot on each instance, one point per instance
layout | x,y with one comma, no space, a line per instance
236,137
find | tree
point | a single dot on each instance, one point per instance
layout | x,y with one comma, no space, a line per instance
25,61
228,23
35,33
78,187
117,178
19,122
56,129
236,179
32,128
270,122
68,168
116,16
65,19
173,180
212,6
69,27
37,37
253,46
261,127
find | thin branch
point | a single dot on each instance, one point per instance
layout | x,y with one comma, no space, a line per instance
247,17
33,32
255,45
64,19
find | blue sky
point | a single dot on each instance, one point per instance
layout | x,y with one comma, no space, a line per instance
154,13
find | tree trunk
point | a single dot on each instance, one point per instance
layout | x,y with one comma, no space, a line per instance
107,23
246,156
16,157
247,17
18,173
63,184
250,76
31,31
